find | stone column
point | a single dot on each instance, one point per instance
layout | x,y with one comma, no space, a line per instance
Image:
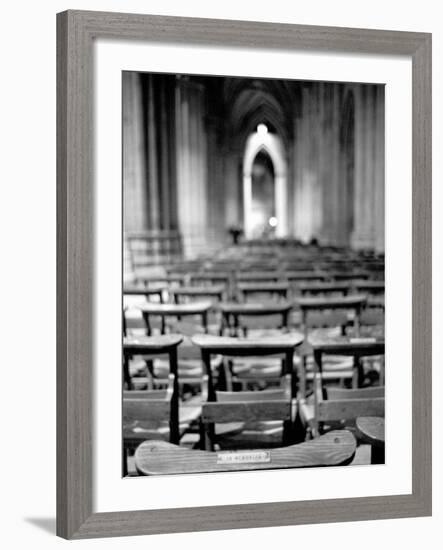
359,237
215,190
329,158
164,161
233,215
304,159
191,166
369,166
380,171
153,183
134,167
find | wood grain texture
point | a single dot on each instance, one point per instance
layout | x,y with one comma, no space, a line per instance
225,344
76,31
192,308
262,287
348,346
356,300
159,457
422,273
371,429
159,343
213,290
349,409
255,308
305,276
360,393
144,291
246,411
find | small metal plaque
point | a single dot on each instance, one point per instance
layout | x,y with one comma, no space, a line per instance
363,340
243,457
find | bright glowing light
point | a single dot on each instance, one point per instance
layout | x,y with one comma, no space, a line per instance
273,221
262,129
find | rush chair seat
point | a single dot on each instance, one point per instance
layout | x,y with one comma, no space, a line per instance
159,457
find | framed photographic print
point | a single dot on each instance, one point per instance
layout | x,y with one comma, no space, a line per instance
244,274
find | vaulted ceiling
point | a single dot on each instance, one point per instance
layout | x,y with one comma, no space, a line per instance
242,103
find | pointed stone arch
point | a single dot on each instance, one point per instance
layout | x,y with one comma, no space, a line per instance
273,146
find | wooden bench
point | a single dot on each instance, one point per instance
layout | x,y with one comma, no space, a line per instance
159,457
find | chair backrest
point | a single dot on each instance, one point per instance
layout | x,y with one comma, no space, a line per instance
337,404
334,394
148,405
248,406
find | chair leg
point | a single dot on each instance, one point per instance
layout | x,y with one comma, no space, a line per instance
208,431
124,460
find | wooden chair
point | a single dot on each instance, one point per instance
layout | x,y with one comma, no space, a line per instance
177,311
329,408
211,278
259,315
344,310
187,294
336,448
355,348
258,276
190,368
371,430
149,414
263,289
324,288
265,417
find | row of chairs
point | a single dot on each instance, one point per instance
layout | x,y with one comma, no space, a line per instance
347,312
222,403
267,417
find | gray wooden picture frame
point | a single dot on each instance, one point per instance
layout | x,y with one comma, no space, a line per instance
76,32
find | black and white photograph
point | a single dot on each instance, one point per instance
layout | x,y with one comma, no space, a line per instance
253,300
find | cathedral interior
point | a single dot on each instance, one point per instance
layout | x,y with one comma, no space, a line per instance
253,272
